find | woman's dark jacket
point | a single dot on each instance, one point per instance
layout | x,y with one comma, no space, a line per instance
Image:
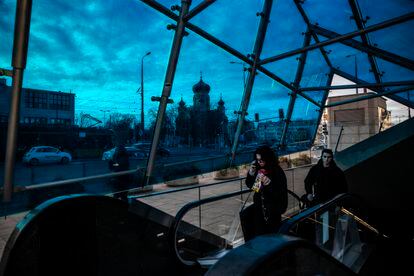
327,182
274,195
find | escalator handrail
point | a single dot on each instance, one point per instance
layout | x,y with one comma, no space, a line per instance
264,249
172,235
288,224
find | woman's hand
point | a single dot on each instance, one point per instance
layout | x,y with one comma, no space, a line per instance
252,169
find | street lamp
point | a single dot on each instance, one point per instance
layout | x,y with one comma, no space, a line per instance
356,68
244,71
142,91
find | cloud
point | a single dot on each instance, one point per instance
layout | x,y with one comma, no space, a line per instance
94,49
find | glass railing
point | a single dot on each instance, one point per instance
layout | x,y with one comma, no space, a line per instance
205,229
338,227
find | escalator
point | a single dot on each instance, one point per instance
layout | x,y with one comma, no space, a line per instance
342,228
333,238
220,217
99,235
91,235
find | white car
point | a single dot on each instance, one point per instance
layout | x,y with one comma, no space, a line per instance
133,153
45,154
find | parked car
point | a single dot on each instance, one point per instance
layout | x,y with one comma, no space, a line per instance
45,154
133,153
145,148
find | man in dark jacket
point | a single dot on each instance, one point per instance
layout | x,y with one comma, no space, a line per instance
325,180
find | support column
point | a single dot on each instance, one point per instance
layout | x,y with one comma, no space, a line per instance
168,82
293,95
20,45
323,101
257,50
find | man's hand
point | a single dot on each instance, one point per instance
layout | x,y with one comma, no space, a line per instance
309,197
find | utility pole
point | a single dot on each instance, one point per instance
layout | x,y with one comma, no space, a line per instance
104,112
142,91
355,68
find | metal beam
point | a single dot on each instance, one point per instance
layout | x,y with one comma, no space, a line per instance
159,7
357,15
20,45
365,85
371,96
385,55
257,50
302,12
217,42
202,6
361,25
359,81
376,27
166,91
293,95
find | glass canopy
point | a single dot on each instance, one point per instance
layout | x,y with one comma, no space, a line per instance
185,80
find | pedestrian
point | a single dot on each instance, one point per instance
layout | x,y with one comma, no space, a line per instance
325,180
118,163
268,182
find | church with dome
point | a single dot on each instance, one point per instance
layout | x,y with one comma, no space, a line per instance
199,125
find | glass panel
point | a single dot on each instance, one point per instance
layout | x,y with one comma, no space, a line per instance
219,21
350,61
341,230
28,194
285,68
398,112
269,100
393,72
316,70
303,125
396,39
285,30
198,129
7,14
332,17
80,89
384,10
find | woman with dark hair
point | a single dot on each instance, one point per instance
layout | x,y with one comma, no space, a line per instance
268,181
325,180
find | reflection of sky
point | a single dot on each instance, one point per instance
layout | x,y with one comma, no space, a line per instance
94,49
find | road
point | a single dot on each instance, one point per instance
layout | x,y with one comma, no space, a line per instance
30,175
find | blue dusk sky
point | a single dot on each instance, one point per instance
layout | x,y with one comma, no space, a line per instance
94,49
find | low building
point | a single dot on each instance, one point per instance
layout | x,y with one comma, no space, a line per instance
41,107
359,120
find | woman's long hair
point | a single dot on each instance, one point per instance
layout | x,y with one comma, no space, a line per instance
268,155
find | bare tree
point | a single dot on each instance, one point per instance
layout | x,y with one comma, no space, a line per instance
122,125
